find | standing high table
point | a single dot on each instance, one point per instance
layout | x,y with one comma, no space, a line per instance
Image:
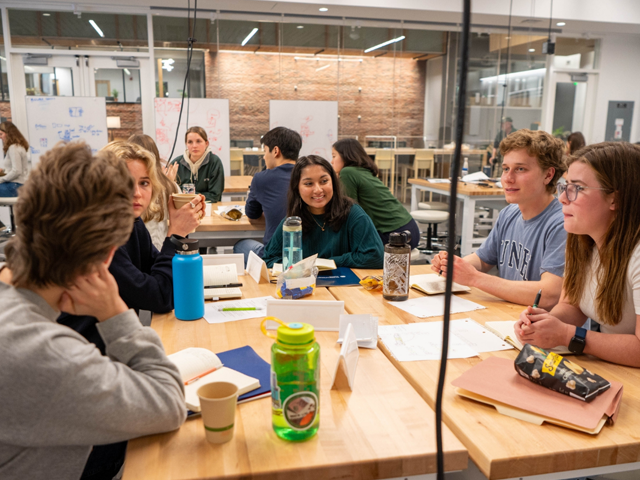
381,429
469,194
215,230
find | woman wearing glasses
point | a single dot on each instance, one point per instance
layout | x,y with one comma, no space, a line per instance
601,205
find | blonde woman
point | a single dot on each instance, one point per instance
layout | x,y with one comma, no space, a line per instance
200,166
16,161
156,217
600,203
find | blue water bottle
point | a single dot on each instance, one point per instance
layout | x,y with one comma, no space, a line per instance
291,242
188,281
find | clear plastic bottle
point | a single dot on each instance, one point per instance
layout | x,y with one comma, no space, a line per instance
291,242
465,166
295,381
397,261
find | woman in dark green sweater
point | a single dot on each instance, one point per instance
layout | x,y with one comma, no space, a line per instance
332,226
200,166
359,176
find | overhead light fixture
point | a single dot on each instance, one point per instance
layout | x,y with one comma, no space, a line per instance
322,68
532,49
2,58
96,28
248,37
46,14
384,44
126,70
167,64
300,26
323,9
560,24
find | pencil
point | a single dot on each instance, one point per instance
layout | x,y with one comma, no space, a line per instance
198,377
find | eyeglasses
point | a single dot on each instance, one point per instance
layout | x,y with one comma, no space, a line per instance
571,189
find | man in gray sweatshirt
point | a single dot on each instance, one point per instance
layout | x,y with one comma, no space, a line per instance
59,395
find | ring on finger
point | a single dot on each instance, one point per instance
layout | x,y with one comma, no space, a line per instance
192,205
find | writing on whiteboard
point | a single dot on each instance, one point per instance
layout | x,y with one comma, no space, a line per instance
75,111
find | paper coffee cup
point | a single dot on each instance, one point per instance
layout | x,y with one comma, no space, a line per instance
181,199
218,401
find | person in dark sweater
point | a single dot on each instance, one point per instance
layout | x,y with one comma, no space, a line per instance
143,275
332,226
359,176
267,200
200,166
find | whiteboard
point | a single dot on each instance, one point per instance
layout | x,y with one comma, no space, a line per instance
316,122
212,114
55,119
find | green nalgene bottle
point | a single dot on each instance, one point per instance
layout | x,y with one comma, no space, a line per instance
295,380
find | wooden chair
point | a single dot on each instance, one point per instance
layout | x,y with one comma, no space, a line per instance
385,160
236,161
424,161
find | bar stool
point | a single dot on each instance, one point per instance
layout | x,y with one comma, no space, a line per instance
10,202
432,218
441,206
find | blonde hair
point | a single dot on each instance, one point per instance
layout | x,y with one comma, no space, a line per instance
130,152
617,168
72,210
546,148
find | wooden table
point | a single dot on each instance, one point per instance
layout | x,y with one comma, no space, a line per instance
469,194
216,231
500,446
236,184
381,429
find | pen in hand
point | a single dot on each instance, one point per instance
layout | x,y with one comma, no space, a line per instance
537,300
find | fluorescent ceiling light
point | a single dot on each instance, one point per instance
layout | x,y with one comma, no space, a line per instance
2,58
167,64
384,44
248,37
322,68
324,9
560,24
300,26
46,14
126,70
96,28
532,49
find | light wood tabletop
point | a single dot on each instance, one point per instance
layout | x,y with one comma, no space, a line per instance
469,189
237,183
503,447
216,223
381,429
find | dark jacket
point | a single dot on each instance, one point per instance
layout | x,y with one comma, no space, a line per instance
144,277
210,181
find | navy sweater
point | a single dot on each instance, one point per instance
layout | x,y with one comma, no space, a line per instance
144,277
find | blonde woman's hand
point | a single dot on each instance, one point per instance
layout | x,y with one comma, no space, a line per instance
171,171
185,220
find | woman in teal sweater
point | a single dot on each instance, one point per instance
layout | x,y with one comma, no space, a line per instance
359,176
200,166
332,226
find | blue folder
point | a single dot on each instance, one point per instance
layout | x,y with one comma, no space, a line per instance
338,277
246,360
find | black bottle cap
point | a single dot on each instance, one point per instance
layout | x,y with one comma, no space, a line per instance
184,245
399,239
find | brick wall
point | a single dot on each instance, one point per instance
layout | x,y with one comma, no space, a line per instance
386,107
5,110
130,119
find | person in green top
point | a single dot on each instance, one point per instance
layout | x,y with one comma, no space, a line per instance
359,176
332,226
199,166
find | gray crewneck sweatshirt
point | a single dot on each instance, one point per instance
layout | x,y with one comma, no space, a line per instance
60,396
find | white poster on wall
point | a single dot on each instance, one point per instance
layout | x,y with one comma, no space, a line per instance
55,119
212,114
316,122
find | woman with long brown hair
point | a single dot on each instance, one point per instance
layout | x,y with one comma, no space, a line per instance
156,217
16,161
601,205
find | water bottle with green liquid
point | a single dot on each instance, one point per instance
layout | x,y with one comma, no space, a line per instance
291,242
295,380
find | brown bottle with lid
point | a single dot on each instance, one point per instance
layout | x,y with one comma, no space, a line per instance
397,260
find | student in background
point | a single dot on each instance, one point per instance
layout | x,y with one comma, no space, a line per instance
528,240
60,396
575,142
15,166
156,217
359,176
200,166
600,202
332,226
267,198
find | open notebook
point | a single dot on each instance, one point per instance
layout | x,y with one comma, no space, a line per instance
194,361
321,264
218,275
433,284
504,329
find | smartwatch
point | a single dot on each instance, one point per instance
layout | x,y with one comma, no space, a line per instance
578,342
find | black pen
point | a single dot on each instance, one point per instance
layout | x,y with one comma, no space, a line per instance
230,285
537,300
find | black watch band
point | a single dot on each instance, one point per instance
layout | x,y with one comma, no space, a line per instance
578,341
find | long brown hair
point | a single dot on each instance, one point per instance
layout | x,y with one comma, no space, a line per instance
617,168
13,136
168,187
576,142
354,155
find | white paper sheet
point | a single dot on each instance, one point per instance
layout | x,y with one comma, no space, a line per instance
438,180
474,177
478,337
212,313
433,306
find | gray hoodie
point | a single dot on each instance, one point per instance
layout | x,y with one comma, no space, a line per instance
59,395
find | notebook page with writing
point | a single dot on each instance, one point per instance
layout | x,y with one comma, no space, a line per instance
194,361
433,284
219,275
504,329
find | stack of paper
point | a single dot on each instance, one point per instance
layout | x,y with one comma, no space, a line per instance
434,306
